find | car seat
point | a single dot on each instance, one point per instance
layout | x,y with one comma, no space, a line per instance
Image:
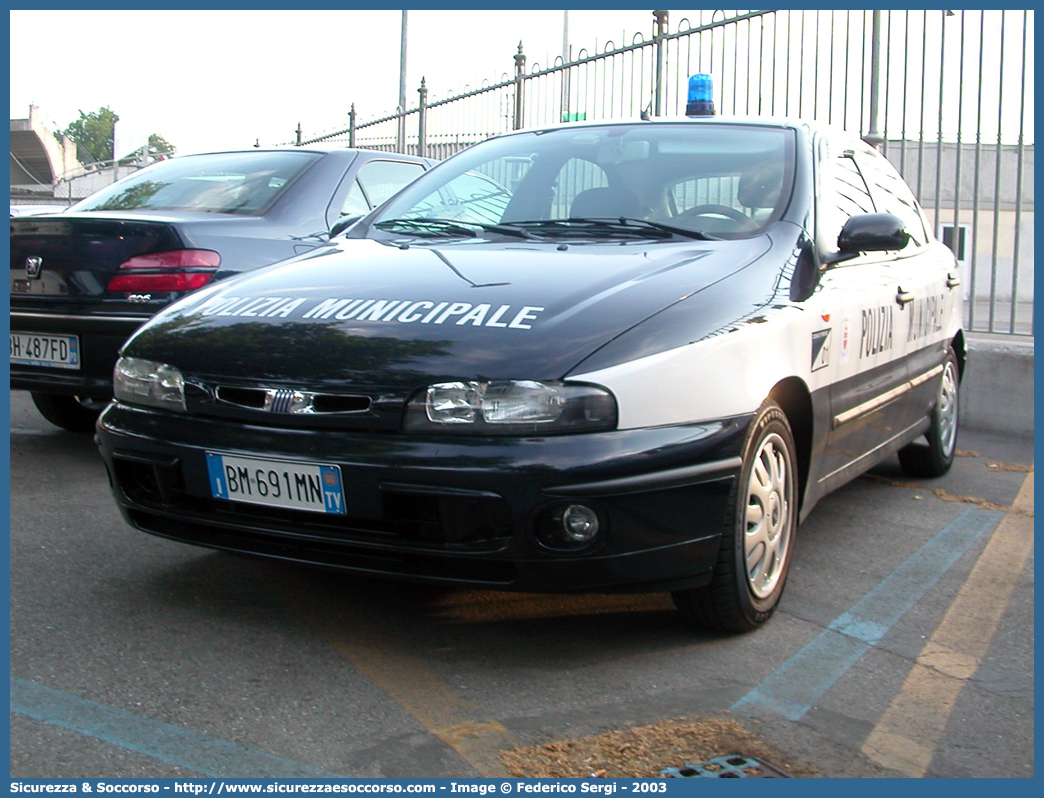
605,203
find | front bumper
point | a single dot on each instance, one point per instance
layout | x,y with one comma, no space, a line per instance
463,511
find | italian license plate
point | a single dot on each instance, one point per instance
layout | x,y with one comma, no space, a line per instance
36,349
276,483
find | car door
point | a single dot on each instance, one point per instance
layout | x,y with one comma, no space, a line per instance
928,279
861,303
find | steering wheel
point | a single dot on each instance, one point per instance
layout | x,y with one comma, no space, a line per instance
737,221
716,210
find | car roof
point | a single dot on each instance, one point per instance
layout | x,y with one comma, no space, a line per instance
810,127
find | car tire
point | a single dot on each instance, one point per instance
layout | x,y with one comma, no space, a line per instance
934,458
73,413
758,534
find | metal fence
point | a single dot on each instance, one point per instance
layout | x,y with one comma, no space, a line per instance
80,183
946,95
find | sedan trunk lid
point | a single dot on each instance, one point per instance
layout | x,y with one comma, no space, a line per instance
73,257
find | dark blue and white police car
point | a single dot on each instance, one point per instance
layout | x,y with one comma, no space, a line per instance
622,356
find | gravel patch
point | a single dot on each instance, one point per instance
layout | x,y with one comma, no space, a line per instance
643,752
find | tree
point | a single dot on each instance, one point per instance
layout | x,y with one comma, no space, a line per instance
92,133
160,146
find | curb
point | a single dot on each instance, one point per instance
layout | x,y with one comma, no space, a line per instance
997,386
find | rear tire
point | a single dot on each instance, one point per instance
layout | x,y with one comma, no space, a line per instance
935,458
758,534
72,413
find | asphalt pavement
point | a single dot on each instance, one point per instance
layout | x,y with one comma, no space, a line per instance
903,645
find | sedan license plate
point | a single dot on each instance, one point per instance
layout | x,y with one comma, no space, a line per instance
276,483
37,349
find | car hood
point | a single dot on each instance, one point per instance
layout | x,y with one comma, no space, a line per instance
365,311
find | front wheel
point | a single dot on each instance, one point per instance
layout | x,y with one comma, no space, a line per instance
758,534
935,458
73,413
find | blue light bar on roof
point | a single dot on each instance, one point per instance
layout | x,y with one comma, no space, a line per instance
701,95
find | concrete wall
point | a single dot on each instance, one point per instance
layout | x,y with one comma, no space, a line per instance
38,156
997,388
992,265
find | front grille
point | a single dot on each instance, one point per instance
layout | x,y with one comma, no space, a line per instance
242,397
285,400
365,408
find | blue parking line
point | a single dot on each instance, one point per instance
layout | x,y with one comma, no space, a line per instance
192,750
798,683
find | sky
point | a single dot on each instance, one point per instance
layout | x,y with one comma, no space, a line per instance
225,79
212,80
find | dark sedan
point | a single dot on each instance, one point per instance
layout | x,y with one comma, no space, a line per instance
626,356
82,282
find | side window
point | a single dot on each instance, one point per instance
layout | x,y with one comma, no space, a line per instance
377,181
851,193
355,203
579,177
892,195
847,196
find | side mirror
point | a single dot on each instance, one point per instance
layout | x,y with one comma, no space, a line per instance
869,232
343,224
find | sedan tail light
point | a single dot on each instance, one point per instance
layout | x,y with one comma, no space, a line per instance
177,270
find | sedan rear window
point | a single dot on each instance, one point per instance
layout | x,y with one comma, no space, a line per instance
238,183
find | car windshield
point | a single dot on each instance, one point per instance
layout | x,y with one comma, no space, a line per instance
701,180
234,182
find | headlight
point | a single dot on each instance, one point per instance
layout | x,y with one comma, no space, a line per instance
144,382
510,407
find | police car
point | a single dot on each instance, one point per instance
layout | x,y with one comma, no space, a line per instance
622,356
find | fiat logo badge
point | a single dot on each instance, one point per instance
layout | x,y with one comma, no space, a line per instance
33,267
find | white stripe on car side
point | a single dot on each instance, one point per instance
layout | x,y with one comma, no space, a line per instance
732,373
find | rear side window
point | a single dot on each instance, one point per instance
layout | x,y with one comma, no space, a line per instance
235,183
376,182
356,204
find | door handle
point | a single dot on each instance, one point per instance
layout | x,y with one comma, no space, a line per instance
903,298
951,281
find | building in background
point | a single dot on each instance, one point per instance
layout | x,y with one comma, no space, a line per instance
39,159
45,169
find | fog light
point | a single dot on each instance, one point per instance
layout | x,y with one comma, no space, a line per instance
572,528
579,523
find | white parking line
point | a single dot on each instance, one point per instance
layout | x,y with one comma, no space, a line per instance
798,683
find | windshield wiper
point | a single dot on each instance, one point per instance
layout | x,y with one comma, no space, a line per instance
432,226
699,235
613,227
609,227
425,226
